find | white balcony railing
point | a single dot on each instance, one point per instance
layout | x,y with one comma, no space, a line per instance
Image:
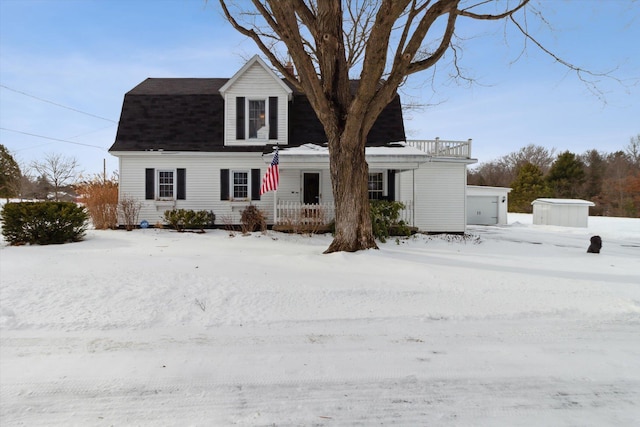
441,148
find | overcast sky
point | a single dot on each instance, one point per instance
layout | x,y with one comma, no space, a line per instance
65,66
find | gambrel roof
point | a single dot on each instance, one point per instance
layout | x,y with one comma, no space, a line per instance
187,114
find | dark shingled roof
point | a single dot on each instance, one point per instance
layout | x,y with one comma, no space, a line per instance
187,114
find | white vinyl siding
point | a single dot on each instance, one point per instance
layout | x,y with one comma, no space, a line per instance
202,184
440,204
438,187
255,85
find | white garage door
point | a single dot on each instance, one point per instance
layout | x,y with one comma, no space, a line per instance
482,210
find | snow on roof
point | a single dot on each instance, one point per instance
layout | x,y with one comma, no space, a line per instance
564,202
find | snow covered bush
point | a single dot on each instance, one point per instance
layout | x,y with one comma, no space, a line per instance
43,223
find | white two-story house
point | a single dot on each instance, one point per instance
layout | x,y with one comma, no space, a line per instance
204,144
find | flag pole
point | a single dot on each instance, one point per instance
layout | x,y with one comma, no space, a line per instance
275,199
270,182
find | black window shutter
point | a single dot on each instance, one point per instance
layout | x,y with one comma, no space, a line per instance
391,184
255,184
181,192
273,117
224,184
240,106
149,184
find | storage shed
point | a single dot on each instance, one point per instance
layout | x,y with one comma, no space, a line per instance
563,212
487,205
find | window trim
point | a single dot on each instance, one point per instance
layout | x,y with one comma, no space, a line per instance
270,131
383,191
232,184
159,184
265,102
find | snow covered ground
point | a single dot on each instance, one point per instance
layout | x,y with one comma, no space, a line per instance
514,326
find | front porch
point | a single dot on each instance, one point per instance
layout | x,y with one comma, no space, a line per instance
427,176
316,217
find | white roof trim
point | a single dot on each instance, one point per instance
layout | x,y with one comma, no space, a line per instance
248,65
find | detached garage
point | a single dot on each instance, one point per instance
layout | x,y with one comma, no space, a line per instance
487,205
563,212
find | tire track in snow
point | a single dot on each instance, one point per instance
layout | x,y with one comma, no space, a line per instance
362,402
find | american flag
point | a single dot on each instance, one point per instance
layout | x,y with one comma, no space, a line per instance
272,177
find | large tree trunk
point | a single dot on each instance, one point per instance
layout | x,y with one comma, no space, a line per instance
349,179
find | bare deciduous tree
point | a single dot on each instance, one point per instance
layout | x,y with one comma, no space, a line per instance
633,149
58,170
389,40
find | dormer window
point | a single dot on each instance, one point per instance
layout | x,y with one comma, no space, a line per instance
256,118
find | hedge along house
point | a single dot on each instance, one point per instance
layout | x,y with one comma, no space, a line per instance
204,144
563,212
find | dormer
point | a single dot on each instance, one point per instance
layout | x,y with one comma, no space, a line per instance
256,106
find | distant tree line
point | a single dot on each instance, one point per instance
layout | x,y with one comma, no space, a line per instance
52,178
610,180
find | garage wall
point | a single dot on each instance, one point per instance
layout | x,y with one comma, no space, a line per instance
487,205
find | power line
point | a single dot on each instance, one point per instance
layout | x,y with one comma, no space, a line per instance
55,103
52,139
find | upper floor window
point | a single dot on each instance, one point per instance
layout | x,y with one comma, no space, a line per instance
376,186
257,118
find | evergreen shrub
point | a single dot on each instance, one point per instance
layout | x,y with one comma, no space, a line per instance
385,219
182,219
43,223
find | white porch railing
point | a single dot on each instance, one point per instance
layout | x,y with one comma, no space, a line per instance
310,214
289,213
441,148
406,214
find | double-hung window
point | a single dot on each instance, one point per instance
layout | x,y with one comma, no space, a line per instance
165,184
240,184
376,186
257,118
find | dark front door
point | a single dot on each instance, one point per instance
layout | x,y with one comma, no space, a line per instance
311,187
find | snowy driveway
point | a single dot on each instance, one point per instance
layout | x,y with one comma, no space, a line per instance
519,327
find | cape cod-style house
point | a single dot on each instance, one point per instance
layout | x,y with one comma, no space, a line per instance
205,143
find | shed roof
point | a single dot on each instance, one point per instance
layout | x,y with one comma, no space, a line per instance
577,202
